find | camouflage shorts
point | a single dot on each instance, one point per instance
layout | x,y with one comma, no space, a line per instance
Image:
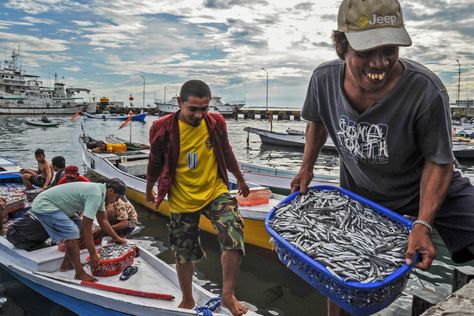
225,217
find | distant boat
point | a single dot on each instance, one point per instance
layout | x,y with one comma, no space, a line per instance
41,123
22,93
291,138
296,139
107,116
216,105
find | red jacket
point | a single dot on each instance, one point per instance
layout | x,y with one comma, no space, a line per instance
165,147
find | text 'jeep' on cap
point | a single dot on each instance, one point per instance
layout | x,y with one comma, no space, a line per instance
368,24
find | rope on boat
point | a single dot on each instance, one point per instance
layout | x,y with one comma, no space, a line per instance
209,307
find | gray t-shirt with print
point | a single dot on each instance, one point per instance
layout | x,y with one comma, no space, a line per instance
383,150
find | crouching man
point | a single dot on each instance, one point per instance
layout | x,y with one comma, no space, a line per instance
57,210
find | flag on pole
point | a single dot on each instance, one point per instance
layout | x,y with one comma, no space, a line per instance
75,116
128,120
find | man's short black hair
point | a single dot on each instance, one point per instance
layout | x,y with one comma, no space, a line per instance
59,162
194,88
39,152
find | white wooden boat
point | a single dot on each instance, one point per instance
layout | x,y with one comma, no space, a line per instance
122,117
216,105
279,180
131,167
39,270
285,139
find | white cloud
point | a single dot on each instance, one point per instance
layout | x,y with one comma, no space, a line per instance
37,20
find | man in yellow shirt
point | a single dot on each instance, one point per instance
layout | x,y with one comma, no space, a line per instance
189,157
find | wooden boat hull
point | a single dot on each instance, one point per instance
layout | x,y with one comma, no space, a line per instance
39,270
136,117
42,124
254,217
285,139
279,180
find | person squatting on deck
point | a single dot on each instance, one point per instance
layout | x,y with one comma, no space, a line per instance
41,177
122,216
390,120
189,157
71,174
57,210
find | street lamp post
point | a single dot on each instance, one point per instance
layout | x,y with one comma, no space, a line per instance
459,78
143,107
266,98
269,115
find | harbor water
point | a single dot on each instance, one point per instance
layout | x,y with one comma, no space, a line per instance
264,284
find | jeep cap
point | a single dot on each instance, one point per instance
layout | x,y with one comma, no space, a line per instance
368,24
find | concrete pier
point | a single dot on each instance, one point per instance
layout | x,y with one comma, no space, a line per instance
460,302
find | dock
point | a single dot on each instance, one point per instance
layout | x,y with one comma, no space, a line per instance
293,114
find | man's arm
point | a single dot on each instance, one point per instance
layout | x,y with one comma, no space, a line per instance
434,185
155,161
316,136
89,240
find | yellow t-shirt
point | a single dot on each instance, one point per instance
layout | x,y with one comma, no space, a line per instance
197,182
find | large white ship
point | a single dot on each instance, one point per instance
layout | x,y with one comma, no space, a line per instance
215,105
22,93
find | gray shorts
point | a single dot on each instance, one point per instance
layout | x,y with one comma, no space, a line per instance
455,218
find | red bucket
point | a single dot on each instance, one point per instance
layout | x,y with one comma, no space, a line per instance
115,265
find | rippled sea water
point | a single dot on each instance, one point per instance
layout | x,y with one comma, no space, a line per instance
264,282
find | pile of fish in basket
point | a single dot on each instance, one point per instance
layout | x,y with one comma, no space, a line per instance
349,248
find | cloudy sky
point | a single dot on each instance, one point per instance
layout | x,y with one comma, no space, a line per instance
105,45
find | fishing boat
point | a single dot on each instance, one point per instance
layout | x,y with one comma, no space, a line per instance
131,165
122,117
41,123
23,93
279,180
152,290
293,139
216,105
296,139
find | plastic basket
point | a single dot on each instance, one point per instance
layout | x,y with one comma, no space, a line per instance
355,297
113,266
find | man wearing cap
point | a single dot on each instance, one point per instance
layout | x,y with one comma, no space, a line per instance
71,174
57,210
390,120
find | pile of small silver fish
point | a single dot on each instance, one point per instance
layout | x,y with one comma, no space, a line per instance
353,242
113,251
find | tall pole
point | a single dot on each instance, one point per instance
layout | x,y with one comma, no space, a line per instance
269,115
459,79
266,98
143,91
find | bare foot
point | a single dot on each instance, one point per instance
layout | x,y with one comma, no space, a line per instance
66,265
85,277
189,304
235,307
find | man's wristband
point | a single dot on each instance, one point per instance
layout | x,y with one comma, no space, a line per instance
424,223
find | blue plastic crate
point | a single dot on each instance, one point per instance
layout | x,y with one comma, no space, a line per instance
355,297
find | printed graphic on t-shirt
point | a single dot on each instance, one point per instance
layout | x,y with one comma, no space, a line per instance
192,158
363,141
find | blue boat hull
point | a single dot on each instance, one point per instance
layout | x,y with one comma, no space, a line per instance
77,306
136,117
